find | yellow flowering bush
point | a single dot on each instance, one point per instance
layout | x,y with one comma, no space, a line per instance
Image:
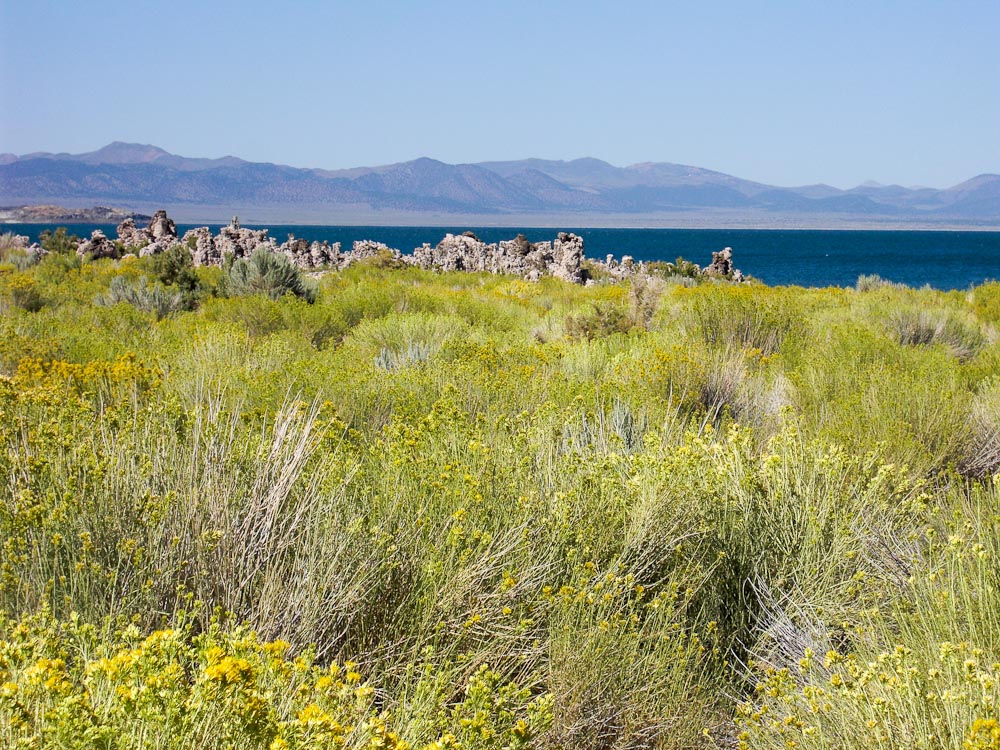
213,689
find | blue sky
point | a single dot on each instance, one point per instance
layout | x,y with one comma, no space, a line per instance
782,92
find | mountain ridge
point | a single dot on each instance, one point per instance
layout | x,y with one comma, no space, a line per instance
144,175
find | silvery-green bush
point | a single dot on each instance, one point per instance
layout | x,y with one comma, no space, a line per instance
268,273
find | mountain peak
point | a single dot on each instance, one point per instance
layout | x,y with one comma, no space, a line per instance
119,152
426,161
590,161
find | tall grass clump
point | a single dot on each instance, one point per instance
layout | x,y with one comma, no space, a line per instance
921,327
643,298
611,430
804,530
982,458
921,671
22,261
745,389
741,318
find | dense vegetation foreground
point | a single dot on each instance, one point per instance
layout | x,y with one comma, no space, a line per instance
399,509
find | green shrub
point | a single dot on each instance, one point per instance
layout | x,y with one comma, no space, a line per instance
143,295
680,268
175,267
860,390
403,339
591,271
602,319
871,282
986,302
268,273
384,259
21,291
59,242
57,266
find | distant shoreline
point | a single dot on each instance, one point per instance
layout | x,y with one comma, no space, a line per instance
522,222
545,225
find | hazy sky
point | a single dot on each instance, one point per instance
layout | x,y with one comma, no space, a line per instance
782,92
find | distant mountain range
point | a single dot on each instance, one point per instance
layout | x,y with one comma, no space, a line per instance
143,178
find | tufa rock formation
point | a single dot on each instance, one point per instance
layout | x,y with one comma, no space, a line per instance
132,237
202,246
98,246
160,235
240,242
722,265
567,256
162,227
627,268
562,257
362,249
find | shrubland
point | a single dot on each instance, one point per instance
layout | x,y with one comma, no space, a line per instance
390,508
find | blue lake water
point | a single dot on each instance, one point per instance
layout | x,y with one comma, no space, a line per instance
944,260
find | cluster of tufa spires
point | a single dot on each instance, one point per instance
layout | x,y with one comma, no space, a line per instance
562,258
